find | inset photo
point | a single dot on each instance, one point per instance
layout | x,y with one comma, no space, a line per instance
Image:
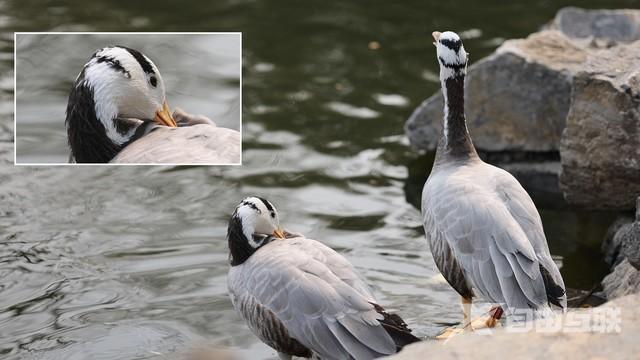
128,98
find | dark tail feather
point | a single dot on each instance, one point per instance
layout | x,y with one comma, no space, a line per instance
396,328
555,292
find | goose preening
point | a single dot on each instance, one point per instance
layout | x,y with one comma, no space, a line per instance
302,298
484,230
117,113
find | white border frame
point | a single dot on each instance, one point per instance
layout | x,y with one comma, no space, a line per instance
15,97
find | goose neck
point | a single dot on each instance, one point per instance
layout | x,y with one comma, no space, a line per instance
455,139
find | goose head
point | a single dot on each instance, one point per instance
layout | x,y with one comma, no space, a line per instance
254,223
258,217
451,54
116,92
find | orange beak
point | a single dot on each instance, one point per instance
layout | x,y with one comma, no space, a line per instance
279,233
163,116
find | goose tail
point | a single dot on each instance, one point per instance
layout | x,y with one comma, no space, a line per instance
396,328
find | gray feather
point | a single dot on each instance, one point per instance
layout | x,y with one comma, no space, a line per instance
352,344
372,341
197,144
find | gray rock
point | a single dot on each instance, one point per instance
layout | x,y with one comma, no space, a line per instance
627,240
622,252
612,25
619,341
631,244
600,146
612,244
624,280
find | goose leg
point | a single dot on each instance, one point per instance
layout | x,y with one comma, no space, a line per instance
466,317
466,312
488,321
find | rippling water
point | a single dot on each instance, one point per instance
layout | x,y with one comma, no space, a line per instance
129,263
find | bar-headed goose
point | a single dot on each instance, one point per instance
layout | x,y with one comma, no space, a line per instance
117,113
484,230
299,296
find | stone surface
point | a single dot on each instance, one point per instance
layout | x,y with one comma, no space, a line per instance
541,345
630,239
622,253
600,146
624,280
612,244
623,240
614,25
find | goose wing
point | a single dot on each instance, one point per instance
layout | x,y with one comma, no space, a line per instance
201,143
316,294
463,214
525,213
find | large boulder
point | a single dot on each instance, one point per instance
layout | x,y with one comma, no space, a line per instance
600,146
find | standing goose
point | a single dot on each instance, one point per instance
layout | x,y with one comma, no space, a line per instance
117,113
484,231
299,296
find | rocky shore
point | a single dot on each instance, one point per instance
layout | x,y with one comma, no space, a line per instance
567,96
608,333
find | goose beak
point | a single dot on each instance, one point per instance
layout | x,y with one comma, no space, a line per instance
279,233
163,116
436,35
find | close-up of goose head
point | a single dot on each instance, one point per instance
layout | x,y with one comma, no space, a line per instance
451,54
116,92
254,223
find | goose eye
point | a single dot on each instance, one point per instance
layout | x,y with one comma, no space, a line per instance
154,81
